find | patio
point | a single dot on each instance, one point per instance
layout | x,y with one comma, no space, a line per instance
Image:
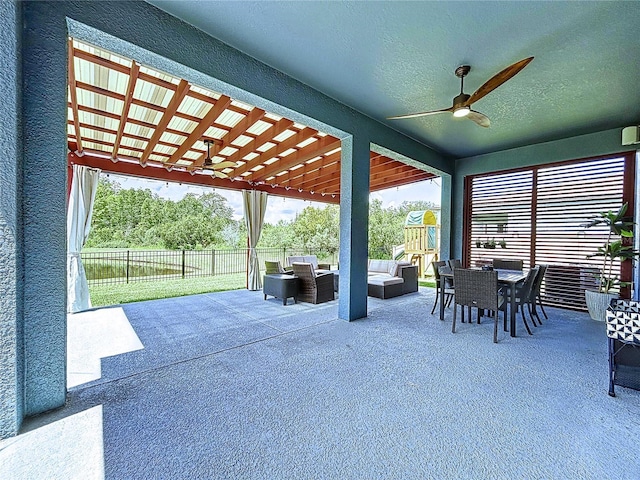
229,385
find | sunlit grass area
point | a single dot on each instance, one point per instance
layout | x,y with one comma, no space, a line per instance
103,295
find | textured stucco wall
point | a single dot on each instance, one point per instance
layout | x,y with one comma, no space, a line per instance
44,204
583,146
11,393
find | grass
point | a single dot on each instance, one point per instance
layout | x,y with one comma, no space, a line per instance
104,295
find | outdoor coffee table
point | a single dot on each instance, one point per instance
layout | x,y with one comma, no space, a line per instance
280,285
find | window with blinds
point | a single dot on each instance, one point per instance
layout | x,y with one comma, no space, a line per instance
538,214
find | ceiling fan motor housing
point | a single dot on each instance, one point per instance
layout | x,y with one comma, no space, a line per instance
460,100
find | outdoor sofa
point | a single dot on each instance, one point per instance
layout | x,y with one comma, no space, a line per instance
391,278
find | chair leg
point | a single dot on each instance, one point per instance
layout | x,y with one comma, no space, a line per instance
525,321
436,304
495,327
449,299
542,308
531,314
455,310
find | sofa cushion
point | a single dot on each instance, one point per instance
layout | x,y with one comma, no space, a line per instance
312,259
379,266
384,280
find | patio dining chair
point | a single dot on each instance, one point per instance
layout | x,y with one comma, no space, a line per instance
448,290
536,299
524,291
455,263
507,264
314,288
477,289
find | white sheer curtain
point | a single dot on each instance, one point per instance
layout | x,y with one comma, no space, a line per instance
83,193
255,204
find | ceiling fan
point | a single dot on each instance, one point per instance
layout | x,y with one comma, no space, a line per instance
214,167
462,103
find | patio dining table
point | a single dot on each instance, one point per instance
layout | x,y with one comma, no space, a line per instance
506,278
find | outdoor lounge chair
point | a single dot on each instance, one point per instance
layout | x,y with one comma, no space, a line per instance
477,289
314,288
274,267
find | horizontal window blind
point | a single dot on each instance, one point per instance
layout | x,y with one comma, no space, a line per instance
567,196
501,217
538,215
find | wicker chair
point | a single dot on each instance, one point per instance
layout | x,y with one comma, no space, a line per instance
455,263
505,264
524,293
314,288
448,291
477,289
273,267
536,300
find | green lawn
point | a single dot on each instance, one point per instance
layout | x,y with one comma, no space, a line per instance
103,295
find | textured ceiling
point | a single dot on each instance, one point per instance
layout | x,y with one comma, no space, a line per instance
391,58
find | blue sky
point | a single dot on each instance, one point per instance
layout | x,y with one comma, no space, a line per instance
280,208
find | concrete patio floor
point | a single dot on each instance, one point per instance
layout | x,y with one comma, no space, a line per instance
228,385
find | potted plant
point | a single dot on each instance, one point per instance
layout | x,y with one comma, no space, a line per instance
503,243
490,243
615,248
478,243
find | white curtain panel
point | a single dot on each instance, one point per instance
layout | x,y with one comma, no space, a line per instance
83,193
255,204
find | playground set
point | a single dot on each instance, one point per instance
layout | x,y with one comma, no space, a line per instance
421,239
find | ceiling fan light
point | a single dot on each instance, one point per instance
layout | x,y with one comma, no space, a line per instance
461,112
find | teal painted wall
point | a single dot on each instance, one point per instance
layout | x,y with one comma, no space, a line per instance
11,360
583,146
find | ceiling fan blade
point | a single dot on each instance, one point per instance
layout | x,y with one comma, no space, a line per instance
421,114
497,80
480,118
222,165
219,174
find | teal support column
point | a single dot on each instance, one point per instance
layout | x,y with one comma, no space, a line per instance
446,196
354,228
44,106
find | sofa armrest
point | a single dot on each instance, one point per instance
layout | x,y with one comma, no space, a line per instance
409,274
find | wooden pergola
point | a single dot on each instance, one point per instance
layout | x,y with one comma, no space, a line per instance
127,118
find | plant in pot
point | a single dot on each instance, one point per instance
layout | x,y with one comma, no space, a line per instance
615,248
490,243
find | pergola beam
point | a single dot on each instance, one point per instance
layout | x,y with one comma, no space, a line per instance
133,77
134,169
315,149
276,150
74,96
171,109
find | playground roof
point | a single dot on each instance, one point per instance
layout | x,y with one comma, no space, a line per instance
124,117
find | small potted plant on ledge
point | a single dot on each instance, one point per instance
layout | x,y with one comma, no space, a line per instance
490,243
615,248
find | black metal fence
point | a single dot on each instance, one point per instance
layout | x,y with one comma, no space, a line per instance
125,266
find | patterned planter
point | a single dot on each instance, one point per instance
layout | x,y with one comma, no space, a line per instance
597,304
